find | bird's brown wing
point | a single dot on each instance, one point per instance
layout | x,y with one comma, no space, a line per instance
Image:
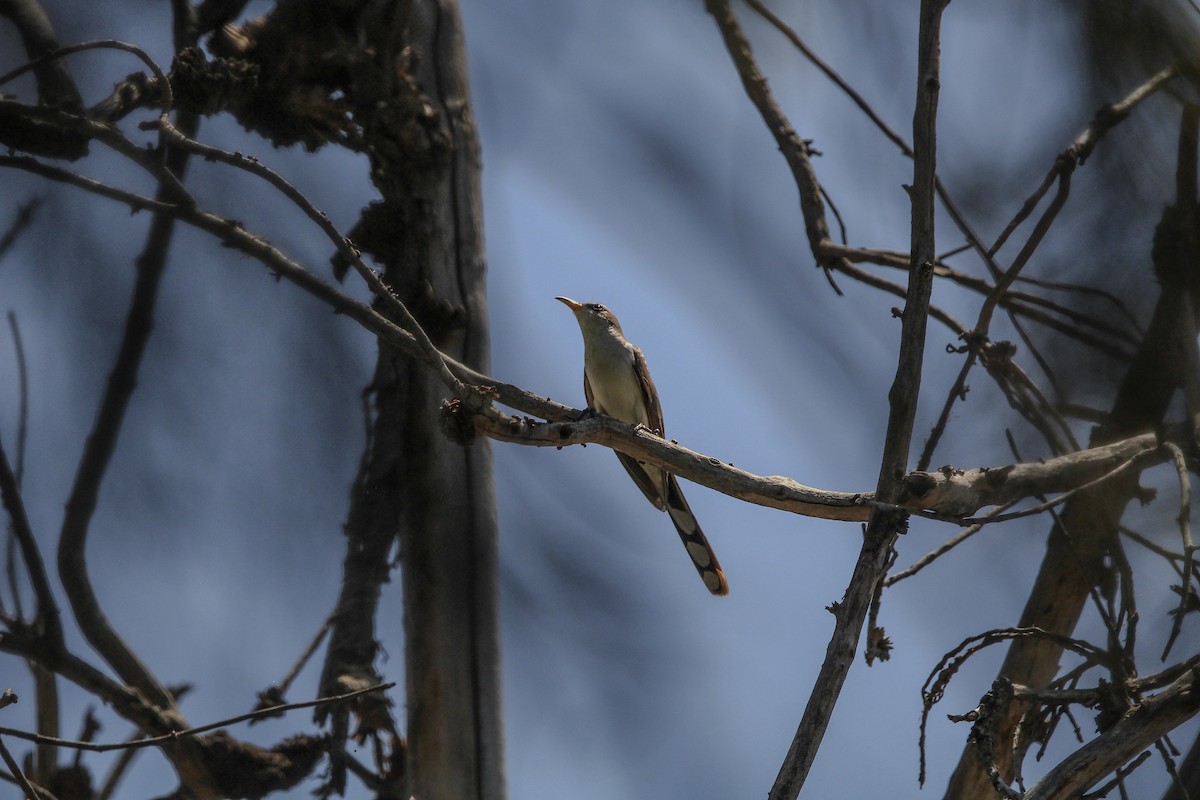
654,417
651,480
587,392
635,468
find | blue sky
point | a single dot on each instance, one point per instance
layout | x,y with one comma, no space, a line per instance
622,164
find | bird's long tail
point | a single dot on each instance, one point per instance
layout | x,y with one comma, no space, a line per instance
694,540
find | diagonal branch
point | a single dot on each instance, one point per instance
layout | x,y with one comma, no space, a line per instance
795,150
884,526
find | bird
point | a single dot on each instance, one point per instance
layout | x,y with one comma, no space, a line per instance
617,382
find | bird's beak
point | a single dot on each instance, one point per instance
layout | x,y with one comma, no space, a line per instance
571,304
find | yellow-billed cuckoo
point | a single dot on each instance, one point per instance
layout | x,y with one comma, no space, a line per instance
616,382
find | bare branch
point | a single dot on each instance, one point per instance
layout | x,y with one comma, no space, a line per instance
15,770
795,150
345,247
1079,149
1145,723
175,736
945,547
47,609
774,491
884,526
1184,519
20,222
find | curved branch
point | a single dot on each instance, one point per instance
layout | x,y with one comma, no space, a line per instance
772,491
47,615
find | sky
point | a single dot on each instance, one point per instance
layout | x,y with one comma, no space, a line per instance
623,165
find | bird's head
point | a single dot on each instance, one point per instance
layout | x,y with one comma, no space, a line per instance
591,316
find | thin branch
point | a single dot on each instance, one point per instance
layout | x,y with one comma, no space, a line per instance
958,391
977,338
344,246
1117,779
22,396
1079,149
20,222
793,148
10,559
1189,549
47,609
15,770
1029,306
945,547
168,99
233,234
934,687
102,442
272,697
1065,168
832,74
175,736
144,157
846,256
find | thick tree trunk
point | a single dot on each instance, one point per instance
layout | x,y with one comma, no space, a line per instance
435,495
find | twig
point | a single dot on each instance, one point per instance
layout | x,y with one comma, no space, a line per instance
15,770
10,560
1079,150
862,276
272,697
14,505
977,338
958,391
1122,773
233,234
942,549
306,655
1023,304
344,246
934,687
1185,534
102,441
175,736
1044,222
22,396
168,99
20,222
793,148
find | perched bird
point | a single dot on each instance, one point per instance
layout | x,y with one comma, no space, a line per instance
616,382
